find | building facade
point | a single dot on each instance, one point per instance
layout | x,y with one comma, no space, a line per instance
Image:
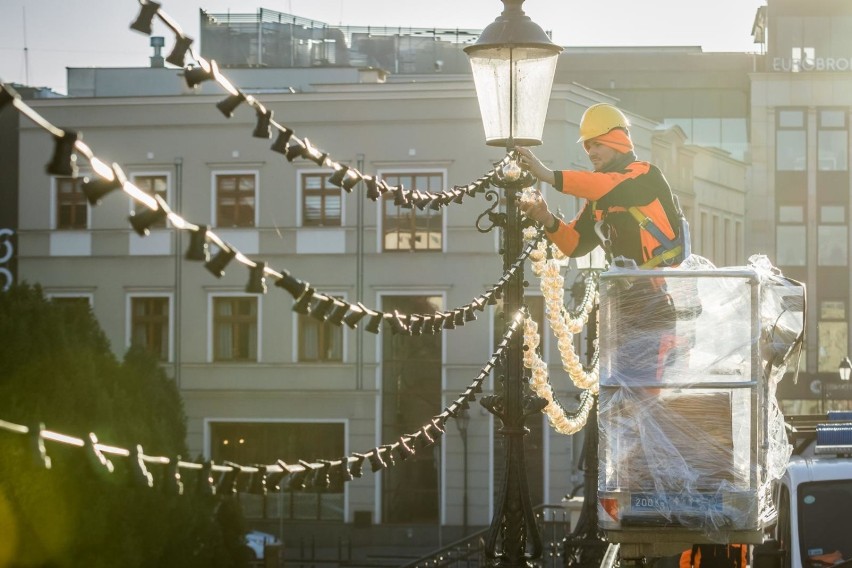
798,200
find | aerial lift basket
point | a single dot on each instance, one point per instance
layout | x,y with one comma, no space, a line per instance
690,431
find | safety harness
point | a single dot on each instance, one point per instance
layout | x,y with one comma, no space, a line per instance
671,252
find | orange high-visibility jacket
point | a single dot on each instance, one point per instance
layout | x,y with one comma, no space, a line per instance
626,183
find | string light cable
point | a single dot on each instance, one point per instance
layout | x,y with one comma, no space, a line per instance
286,142
307,300
299,475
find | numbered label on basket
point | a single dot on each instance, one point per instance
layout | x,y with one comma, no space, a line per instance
690,502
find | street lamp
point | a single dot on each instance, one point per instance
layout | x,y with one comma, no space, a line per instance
513,64
845,370
462,422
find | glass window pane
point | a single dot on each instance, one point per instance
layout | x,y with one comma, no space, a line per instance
313,208
832,150
790,247
832,119
227,183
832,214
332,207
791,119
832,310
791,151
832,345
832,245
313,182
791,214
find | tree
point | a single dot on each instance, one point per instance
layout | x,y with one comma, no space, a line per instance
56,368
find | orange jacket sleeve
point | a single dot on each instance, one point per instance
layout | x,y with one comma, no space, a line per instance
594,185
565,237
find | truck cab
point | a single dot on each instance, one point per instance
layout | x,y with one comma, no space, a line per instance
813,497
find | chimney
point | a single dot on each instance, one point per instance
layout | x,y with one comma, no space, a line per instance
157,42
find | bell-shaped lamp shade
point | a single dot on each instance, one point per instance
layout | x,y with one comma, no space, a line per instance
257,279
513,63
178,53
63,162
198,248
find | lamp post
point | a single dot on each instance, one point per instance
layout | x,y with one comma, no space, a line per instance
844,372
462,422
513,64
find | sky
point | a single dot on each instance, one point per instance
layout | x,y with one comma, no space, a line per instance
40,38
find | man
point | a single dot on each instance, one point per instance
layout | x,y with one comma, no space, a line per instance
630,200
631,212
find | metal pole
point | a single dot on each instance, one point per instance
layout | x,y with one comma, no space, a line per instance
513,539
359,282
178,304
587,544
464,483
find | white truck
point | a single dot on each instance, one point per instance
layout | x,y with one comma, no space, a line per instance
813,498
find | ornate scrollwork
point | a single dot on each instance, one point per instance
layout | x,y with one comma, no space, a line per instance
496,218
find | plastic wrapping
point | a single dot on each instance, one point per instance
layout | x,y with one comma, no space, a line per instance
690,430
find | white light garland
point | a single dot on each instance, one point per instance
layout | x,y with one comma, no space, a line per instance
564,327
559,418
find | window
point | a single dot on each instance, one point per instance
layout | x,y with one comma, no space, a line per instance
791,236
265,443
235,328
411,229
71,209
832,141
152,184
73,301
319,341
320,201
790,141
833,331
235,199
149,324
411,391
804,59
832,236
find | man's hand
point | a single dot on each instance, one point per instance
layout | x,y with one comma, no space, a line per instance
533,165
535,207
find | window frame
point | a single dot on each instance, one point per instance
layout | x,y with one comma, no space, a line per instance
319,492
327,189
89,296
297,336
411,172
55,203
214,189
211,327
166,195
826,322
844,224
169,328
803,129
844,128
801,225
